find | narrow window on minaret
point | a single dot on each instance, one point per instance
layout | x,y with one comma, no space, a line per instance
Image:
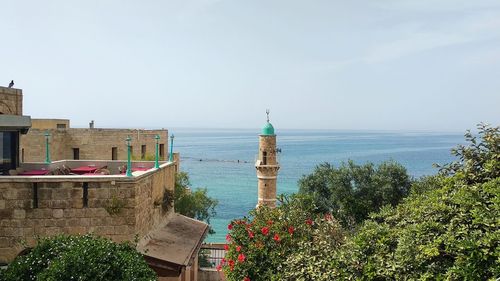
264,158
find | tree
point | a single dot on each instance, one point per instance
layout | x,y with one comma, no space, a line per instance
450,231
197,204
84,257
351,192
479,161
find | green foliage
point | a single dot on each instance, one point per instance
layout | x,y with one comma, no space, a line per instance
114,205
351,192
79,258
479,161
197,204
447,229
259,245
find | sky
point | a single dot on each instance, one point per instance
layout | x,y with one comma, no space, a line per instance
430,65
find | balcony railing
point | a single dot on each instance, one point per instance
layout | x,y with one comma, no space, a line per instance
211,255
266,160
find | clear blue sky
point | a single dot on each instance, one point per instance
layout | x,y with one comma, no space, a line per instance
388,64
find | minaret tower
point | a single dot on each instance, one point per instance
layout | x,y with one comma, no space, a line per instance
267,166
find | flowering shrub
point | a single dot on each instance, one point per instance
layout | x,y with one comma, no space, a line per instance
257,246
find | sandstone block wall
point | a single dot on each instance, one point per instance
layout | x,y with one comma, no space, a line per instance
95,144
11,101
118,208
49,123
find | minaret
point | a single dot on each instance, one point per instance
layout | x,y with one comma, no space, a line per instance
267,166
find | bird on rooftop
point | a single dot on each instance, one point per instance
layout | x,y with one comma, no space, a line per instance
11,84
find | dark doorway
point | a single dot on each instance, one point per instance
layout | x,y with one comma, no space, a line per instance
114,153
76,153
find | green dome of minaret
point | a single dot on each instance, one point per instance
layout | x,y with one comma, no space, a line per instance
268,129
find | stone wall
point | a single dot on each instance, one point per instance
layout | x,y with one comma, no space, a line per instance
95,144
49,123
11,101
117,207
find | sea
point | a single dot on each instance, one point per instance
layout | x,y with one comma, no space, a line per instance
223,160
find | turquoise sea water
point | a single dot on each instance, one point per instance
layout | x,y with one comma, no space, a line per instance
211,159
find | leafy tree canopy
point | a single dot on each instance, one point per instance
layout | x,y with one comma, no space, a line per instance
448,232
85,257
351,192
194,204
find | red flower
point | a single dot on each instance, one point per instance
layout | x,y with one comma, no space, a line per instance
265,230
238,248
230,226
231,264
241,257
218,267
228,238
226,247
223,261
291,229
250,234
246,278
276,237
269,222
309,222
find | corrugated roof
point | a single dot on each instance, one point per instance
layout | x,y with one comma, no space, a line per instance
174,242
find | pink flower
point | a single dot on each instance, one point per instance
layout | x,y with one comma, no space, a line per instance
238,248
309,222
241,257
229,226
223,261
226,247
218,267
265,230
228,238
276,237
231,264
246,278
291,229
250,234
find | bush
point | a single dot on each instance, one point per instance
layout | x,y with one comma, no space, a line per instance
85,257
449,228
197,204
351,192
259,246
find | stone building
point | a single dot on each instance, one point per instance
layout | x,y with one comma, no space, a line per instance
45,199
267,166
88,143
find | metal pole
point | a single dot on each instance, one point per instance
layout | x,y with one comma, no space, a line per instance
129,163
47,148
157,165
171,155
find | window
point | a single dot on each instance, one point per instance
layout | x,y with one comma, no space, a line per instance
22,155
9,153
76,153
264,157
61,126
162,150
143,151
114,153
